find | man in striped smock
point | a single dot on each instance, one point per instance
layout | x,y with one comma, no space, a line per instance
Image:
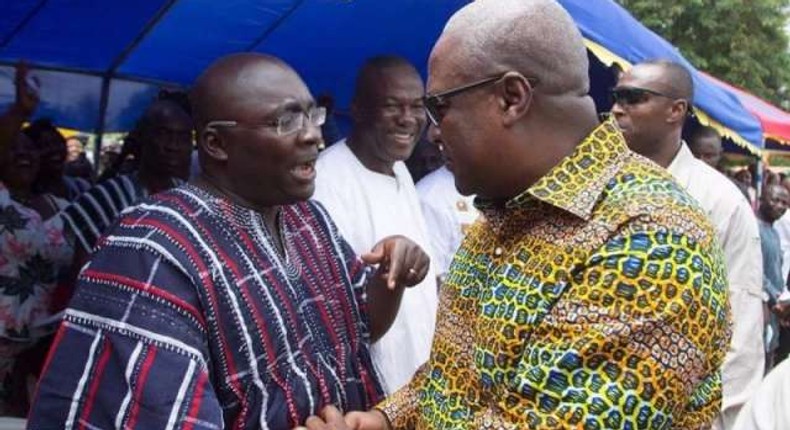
230,302
165,132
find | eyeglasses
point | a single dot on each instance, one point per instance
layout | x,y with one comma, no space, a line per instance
436,104
626,96
285,124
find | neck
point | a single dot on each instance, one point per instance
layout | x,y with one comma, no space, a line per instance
20,194
50,181
360,145
220,187
154,182
764,218
666,149
559,140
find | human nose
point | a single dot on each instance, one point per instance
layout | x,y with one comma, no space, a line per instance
311,133
617,109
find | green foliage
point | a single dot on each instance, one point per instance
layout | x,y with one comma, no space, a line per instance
743,42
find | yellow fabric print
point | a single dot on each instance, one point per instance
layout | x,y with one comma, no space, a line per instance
604,307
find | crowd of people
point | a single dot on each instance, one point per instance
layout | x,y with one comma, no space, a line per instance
234,269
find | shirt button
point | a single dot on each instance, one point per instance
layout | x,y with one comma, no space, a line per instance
498,251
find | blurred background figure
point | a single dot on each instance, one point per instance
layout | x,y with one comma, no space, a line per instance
77,163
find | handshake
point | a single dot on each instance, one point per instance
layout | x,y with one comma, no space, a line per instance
330,418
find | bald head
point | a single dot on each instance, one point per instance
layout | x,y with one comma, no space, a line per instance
162,110
230,82
163,140
671,78
262,151
377,69
534,37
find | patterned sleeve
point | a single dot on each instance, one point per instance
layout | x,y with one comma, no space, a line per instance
637,340
131,352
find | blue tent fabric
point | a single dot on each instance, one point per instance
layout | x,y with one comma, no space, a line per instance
139,45
609,25
101,62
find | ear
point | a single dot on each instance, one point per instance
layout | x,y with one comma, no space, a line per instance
515,97
678,111
213,144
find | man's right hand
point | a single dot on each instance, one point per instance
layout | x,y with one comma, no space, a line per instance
330,418
370,420
27,96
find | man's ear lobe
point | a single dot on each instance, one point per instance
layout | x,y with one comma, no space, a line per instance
213,145
679,111
515,97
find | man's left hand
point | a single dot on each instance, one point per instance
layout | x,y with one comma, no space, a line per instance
401,261
330,418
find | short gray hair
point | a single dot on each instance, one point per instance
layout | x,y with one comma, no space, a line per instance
537,38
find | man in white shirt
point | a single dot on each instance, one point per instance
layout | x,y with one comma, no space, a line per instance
782,226
651,104
447,212
767,409
365,186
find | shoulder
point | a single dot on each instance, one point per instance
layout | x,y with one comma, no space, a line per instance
336,165
438,181
715,186
643,193
337,152
183,202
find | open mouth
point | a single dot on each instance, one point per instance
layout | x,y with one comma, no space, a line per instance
305,171
403,137
23,163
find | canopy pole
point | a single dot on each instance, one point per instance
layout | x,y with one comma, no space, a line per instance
101,121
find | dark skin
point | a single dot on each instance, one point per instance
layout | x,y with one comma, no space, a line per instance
708,149
532,135
773,203
166,137
511,112
52,149
653,127
19,157
25,103
388,118
255,90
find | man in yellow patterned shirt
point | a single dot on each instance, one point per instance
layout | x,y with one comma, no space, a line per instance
592,294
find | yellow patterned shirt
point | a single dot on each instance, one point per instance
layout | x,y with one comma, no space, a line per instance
596,299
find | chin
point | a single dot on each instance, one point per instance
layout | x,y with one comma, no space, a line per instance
463,188
302,194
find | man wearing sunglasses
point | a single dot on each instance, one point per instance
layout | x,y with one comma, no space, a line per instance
592,294
366,187
651,105
230,302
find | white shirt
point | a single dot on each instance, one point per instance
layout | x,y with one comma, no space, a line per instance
447,215
367,207
768,408
782,226
739,236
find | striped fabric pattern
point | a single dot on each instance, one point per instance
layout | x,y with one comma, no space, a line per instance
75,187
94,211
187,317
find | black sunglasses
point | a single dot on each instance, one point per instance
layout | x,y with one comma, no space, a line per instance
436,104
626,96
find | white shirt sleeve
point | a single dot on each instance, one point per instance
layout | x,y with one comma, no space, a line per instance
745,363
767,409
441,229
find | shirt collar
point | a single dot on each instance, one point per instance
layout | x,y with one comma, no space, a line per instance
682,165
577,182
